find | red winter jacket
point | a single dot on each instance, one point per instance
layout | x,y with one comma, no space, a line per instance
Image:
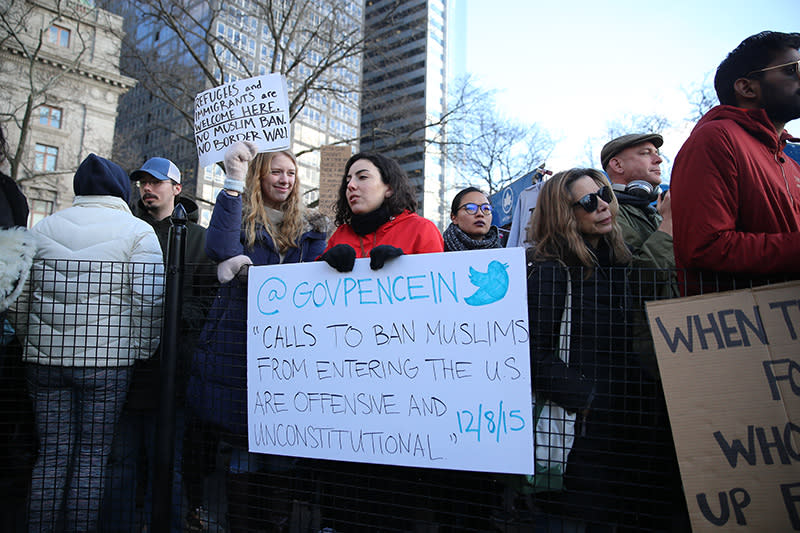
407,231
736,198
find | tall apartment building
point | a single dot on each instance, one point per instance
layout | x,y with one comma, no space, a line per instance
316,44
405,92
59,86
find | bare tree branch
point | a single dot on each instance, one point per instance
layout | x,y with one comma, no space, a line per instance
484,145
35,69
701,97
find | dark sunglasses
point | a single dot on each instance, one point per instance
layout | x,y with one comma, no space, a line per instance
472,209
589,202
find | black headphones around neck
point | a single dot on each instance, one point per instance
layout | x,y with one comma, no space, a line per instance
639,189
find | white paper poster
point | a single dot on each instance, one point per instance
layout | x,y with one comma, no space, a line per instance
255,110
422,363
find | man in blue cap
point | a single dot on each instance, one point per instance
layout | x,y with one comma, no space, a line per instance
159,182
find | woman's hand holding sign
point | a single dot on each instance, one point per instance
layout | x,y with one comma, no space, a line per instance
237,157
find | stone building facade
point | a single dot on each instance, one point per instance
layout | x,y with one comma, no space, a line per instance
59,87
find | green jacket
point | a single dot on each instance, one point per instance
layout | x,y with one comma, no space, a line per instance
652,251
653,276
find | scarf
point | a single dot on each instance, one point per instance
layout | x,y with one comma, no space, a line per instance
275,216
455,240
370,222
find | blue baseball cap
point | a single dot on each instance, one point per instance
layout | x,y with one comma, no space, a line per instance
160,168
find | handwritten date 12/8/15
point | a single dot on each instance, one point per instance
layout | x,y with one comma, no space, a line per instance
495,422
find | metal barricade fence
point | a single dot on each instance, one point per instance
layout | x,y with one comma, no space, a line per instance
86,437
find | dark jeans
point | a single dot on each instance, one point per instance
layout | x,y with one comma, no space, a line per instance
76,412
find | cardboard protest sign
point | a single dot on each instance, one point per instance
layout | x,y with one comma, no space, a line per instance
255,110
332,160
422,363
730,364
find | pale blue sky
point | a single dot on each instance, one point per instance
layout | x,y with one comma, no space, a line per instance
573,65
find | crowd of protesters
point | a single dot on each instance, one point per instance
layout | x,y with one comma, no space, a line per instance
88,320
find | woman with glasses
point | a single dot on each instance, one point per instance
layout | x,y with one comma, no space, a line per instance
375,215
578,242
471,223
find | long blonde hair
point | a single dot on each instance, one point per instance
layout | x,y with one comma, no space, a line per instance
286,235
554,227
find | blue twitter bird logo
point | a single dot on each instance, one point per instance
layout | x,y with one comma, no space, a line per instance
492,284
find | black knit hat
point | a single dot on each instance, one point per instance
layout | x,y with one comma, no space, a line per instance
98,176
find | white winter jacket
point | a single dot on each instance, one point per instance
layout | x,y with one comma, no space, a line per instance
96,287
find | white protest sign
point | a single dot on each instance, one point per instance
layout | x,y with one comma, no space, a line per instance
255,110
422,363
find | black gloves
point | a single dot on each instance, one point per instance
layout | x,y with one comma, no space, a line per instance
380,254
342,257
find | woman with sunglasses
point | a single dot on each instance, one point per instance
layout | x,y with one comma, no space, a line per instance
579,242
471,227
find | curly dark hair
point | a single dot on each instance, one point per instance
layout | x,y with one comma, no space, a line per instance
403,197
755,52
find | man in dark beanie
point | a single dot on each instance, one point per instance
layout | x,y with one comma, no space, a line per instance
93,309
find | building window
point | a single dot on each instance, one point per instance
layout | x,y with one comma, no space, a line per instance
59,36
39,210
50,116
46,157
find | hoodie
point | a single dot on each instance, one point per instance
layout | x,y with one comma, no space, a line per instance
736,200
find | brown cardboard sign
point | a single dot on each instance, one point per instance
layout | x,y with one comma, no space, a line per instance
331,169
730,365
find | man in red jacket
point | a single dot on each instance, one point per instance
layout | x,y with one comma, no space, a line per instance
736,195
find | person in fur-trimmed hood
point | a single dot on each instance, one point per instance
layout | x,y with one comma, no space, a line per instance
17,247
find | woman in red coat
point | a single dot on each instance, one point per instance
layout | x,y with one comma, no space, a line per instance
375,216
376,219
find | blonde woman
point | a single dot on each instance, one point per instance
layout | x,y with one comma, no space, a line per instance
258,219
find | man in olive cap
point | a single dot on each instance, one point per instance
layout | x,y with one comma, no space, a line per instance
633,166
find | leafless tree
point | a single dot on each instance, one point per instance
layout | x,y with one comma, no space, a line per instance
701,97
629,123
205,44
31,74
483,144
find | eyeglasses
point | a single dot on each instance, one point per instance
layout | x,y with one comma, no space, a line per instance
589,202
794,70
153,182
472,209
